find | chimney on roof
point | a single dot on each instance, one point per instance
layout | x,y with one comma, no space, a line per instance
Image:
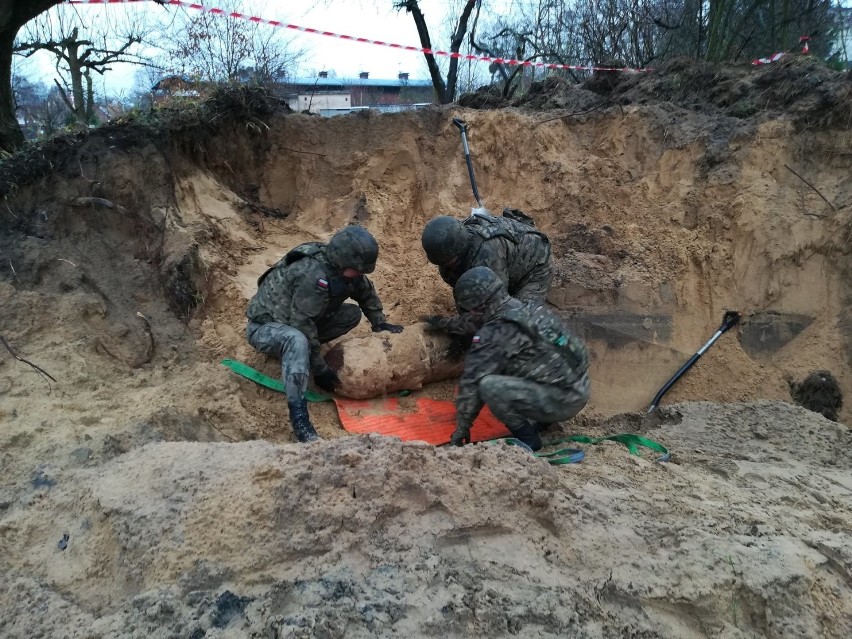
323,74
403,76
364,75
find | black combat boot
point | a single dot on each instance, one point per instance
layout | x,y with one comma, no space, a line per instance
301,421
528,434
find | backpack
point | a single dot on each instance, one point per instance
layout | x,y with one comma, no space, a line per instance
519,216
308,249
539,323
512,227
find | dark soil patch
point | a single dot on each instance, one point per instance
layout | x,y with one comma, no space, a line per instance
819,392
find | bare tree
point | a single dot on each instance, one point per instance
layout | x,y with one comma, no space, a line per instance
82,46
213,48
13,15
445,89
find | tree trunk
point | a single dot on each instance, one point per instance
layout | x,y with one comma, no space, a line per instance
455,46
425,41
13,15
90,98
11,136
75,70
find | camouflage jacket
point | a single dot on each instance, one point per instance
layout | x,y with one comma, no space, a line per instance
519,340
508,247
308,291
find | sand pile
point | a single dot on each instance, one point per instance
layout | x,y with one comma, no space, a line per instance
745,534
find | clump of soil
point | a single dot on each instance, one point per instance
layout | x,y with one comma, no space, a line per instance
801,87
820,393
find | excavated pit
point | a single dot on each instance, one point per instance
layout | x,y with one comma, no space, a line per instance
125,272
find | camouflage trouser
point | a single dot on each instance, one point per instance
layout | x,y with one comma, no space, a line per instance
291,346
535,284
516,401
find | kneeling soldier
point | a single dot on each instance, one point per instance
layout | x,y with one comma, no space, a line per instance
299,305
523,363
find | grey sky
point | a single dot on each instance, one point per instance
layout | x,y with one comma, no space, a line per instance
374,19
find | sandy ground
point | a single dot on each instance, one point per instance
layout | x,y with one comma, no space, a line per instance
745,533
189,513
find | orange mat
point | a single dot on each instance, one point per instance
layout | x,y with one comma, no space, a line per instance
430,421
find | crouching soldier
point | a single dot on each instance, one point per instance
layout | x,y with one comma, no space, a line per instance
516,251
523,363
299,305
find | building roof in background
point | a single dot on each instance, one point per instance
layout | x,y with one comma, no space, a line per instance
363,82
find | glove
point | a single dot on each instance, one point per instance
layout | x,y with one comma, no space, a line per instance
435,322
458,347
461,436
327,380
390,328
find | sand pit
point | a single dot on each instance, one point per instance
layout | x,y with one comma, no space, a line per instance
188,511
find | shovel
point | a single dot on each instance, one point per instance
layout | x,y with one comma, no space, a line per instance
729,320
463,130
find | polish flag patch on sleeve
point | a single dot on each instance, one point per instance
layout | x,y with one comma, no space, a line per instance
476,339
323,284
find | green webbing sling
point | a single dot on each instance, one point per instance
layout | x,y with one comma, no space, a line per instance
575,455
264,380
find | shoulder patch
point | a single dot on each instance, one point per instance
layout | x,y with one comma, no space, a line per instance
476,339
322,283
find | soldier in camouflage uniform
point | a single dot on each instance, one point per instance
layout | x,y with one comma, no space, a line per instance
299,305
523,363
516,251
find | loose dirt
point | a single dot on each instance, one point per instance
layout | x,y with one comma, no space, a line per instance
127,256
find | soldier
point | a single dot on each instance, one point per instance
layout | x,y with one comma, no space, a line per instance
299,305
523,363
517,251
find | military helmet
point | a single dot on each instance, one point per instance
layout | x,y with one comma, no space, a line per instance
444,238
476,287
353,247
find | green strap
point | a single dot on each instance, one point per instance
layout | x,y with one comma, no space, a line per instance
633,443
575,455
555,458
264,380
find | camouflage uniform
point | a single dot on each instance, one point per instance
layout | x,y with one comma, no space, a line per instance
299,306
524,365
518,253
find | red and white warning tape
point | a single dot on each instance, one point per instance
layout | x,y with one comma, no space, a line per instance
773,58
777,56
402,47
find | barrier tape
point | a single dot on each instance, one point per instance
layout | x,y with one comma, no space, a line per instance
803,40
402,47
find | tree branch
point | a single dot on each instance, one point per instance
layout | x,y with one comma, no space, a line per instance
44,374
63,95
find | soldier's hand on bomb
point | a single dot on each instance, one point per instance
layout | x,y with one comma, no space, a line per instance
390,328
435,322
327,380
458,347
